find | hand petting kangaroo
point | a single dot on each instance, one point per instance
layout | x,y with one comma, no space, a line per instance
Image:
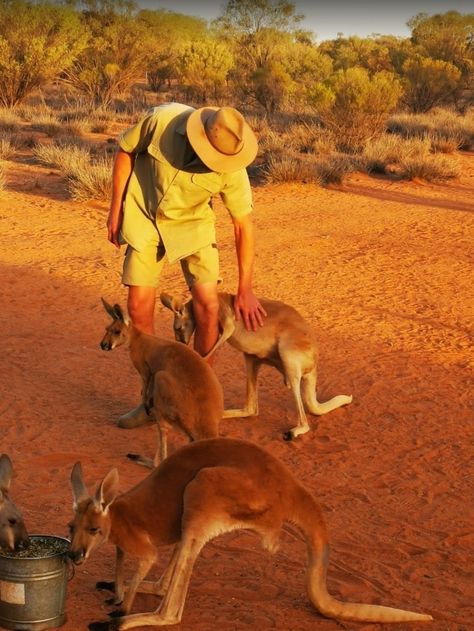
285,341
178,386
201,491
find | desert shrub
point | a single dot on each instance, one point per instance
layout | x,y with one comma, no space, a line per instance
53,126
389,149
286,168
303,137
9,120
7,146
447,130
428,82
91,181
273,142
445,142
259,124
432,168
68,158
360,106
333,169
88,175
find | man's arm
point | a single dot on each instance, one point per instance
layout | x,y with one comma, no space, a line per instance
122,169
246,304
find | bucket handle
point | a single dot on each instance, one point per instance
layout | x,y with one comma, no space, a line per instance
71,568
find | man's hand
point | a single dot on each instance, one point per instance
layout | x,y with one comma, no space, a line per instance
248,307
114,223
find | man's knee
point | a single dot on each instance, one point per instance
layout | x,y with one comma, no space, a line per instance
205,306
140,306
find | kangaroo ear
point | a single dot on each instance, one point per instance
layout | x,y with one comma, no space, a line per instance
6,472
107,491
170,302
109,309
79,490
120,315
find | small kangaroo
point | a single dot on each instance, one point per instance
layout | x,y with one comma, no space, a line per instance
177,384
285,341
201,491
13,534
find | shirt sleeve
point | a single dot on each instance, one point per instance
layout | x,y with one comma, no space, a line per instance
136,139
236,193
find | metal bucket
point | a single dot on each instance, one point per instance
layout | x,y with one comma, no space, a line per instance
33,590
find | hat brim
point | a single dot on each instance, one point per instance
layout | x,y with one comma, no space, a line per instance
213,159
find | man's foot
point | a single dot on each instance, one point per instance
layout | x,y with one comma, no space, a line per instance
135,418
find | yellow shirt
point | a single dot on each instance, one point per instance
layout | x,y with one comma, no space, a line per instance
171,193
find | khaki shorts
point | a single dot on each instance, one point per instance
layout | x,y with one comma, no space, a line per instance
143,269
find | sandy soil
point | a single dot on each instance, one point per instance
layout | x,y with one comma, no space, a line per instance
383,272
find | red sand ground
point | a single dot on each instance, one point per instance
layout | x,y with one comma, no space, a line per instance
383,271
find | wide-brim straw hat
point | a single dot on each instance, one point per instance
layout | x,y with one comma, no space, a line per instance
221,138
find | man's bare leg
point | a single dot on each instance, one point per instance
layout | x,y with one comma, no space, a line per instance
141,308
206,310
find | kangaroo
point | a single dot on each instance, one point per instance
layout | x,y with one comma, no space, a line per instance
201,491
179,387
285,341
13,534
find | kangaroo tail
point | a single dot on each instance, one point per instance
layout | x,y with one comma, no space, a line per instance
311,402
308,517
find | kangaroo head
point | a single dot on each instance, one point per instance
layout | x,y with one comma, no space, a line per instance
184,323
13,534
116,333
91,523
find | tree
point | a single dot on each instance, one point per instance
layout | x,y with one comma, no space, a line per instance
248,17
429,82
204,66
368,53
354,105
115,55
38,41
449,37
167,32
260,33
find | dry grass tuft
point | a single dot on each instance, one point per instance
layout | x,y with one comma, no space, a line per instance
432,168
93,181
88,177
9,120
2,178
67,157
284,168
447,130
7,146
334,168
382,153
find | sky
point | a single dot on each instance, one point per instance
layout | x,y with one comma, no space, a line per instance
327,19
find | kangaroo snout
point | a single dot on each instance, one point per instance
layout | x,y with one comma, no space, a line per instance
105,345
76,556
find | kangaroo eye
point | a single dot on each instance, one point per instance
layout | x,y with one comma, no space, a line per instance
12,521
94,531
